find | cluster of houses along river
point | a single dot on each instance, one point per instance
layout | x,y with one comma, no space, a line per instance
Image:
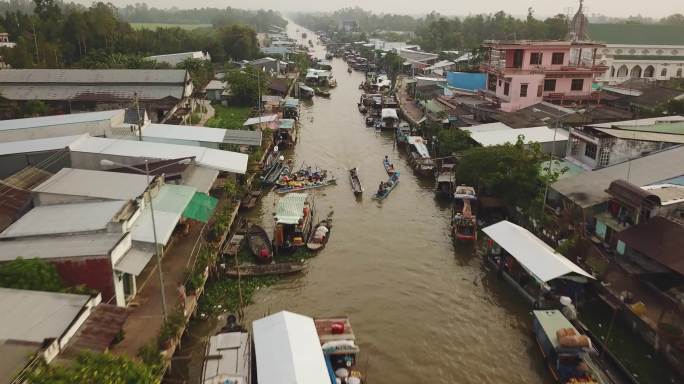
140,209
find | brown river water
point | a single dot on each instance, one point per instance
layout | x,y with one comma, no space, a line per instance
423,309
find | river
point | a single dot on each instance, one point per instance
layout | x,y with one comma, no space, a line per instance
423,310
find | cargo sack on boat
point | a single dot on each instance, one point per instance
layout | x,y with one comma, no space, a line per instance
565,332
575,341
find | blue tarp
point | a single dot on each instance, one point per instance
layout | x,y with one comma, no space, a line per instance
466,80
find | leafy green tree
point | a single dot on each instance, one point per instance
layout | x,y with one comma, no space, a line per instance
452,141
675,19
33,274
95,368
201,71
239,42
244,85
509,171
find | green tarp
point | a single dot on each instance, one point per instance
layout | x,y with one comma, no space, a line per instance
201,207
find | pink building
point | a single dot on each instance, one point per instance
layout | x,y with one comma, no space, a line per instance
524,73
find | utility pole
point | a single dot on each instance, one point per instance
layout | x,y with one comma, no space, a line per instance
35,42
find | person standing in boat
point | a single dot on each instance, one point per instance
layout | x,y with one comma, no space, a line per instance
381,188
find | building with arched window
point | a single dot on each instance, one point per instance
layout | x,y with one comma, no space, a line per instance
649,51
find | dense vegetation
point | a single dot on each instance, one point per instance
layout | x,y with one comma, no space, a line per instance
261,19
366,20
33,274
58,36
95,368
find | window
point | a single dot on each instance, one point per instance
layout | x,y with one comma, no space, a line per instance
557,58
507,88
549,85
577,85
590,150
663,73
540,90
679,72
536,58
523,90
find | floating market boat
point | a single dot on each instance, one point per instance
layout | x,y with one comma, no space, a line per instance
536,271
349,70
370,121
322,92
444,181
389,167
274,172
339,348
355,181
464,219
293,221
570,356
298,186
389,185
259,244
403,132
228,356
362,108
273,269
320,235
328,56
419,156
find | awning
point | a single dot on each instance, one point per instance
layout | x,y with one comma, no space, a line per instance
200,178
286,124
291,103
389,113
419,144
201,207
290,208
288,350
306,88
133,262
533,254
260,119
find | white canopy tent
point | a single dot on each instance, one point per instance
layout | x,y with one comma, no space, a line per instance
288,350
533,254
389,113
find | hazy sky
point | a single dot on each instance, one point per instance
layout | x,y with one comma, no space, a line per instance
615,8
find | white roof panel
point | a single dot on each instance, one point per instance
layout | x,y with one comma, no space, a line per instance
98,184
134,261
419,144
648,121
262,119
288,350
95,244
531,135
230,359
184,132
38,145
65,218
200,178
208,157
491,127
389,113
532,253
165,223
46,121
35,315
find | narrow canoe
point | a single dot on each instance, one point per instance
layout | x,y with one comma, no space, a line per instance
249,270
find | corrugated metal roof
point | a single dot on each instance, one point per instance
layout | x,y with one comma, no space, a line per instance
638,122
262,119
99,184
242,137
64,218
97,244
200,178
213,158
134,261
643,136
676,128
35,315
290,208
173,198
94,92
46,121
165,223
531,135
93,76
589,188
184,132
38,145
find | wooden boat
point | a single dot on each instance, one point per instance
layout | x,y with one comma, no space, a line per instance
317,242
390,185
402,134
328,56
355,181
322,92
362,108
274,269
228,365
564,349
389,167
274,172
370,121
259,244
349,70
250,200
293,221
339,346
444,181
232,247
464,219
305,186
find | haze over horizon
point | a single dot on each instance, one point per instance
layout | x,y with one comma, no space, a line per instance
542,8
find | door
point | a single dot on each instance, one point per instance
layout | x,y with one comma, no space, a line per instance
518,58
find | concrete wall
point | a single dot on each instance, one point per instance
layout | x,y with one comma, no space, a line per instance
94,128
513,101
11,164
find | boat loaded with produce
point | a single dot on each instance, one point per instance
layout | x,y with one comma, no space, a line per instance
464,218
293,222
